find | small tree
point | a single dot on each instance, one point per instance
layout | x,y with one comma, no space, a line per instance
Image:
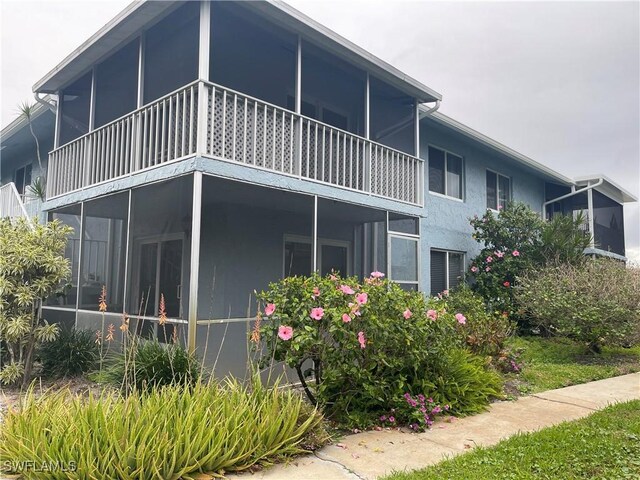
32,266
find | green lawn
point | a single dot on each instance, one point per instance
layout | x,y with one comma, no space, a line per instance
550,363
604,445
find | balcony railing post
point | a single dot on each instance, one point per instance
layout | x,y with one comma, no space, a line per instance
85,176
368,167
202,126
298,134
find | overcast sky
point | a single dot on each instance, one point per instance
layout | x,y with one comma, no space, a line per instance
559,82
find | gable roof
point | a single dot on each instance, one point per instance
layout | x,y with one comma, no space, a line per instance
136,16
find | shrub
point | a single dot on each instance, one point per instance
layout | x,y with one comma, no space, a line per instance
32,266
484,332
598,303
464,382
173,432
517,240
146,364
365,345
73,353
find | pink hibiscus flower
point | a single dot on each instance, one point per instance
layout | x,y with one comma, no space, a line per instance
285,332
488,269
362,340
316,292
461,318
346,318
346,289
507,284
432,314
317,313
499,254
489,259
474,269
407,314
362,298
515,253
377,274
269,309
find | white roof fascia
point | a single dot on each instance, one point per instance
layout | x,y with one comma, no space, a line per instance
609,188
442,119
121,28
138,14
334,42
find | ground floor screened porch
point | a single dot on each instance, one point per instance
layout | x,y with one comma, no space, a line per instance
207,245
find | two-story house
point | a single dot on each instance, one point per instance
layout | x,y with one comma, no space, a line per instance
204,149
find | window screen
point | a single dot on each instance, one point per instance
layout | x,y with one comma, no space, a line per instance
492,190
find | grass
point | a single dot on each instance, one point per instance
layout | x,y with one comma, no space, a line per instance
550,363
604,445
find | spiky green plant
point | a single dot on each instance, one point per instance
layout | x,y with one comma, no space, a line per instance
170,433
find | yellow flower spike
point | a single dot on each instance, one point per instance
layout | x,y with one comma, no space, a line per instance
102,300
162,311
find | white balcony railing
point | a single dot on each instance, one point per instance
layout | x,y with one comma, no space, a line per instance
11,205
237,128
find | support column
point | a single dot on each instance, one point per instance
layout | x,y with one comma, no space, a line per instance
141,46
204,43
92,101
79,277
299,104
314,240
56,134
367,134
127,251
196,217
590,213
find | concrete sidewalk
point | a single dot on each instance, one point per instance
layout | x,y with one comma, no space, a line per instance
370,455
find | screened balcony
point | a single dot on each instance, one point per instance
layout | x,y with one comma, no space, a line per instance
216,80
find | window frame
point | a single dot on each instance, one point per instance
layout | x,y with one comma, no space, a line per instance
416,240
446,169
498,175
23,171
293,238
447,272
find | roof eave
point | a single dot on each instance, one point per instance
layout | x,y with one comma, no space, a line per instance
499,147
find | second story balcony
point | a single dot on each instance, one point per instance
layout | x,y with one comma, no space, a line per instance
208,120
250,83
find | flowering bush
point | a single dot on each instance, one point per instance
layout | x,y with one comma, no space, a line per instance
365,345
483,332
598,303
511,241
515,241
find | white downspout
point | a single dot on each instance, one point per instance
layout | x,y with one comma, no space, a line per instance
51,106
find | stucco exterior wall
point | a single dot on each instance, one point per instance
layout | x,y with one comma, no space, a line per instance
445,221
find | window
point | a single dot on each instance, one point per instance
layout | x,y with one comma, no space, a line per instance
23,179
498,190
447,270
333,255
403,261
445,173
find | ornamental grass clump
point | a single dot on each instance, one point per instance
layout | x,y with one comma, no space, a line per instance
170,433
358,347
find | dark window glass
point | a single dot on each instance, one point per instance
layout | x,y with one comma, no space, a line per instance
504,189
436,171
438,272
334,258
117,84
23,179
492,190
171,52
403,224
456,269
76,101
66,297
454,176
297,259
335,119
